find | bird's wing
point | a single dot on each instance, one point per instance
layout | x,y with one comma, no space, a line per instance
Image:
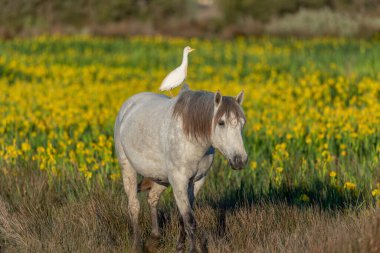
173,79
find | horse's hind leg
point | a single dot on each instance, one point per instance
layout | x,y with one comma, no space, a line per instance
130,186
153,198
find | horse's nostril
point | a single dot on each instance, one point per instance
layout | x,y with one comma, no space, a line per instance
237,159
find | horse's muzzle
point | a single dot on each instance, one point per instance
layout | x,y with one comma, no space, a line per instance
237,163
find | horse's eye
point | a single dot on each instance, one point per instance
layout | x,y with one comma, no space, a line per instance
221,123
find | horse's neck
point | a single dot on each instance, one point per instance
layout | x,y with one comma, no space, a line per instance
200,149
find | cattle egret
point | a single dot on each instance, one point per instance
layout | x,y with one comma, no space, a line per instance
177,76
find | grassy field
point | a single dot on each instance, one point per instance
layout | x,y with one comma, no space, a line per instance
312,135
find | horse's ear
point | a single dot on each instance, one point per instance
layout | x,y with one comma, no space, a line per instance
218,99
240,97
184,88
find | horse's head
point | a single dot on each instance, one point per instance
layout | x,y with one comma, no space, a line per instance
213,119
228,123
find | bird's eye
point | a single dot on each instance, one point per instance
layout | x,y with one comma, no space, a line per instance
221,123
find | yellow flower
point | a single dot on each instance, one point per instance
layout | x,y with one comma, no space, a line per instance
25,147
343,153
88,175
304,198
279,169
253,165
96,167
80,145
40,149
332,173
349,186
257,127
83,168
376,192
115,176
327,155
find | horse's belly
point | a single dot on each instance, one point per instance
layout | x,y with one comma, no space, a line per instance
145,157
149,167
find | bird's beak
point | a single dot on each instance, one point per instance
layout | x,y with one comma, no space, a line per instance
192,49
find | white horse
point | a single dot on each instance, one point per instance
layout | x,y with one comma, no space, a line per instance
172,141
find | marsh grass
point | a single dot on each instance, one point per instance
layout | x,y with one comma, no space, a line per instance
64,214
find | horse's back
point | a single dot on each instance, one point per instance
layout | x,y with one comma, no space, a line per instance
139,100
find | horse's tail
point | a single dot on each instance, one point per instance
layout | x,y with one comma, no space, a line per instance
145,185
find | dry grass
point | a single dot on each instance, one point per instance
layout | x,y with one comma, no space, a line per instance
38,214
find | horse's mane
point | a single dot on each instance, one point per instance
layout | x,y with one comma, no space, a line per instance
196,109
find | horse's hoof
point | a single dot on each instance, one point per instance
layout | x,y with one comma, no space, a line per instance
137,248
180,248
203,244
152,244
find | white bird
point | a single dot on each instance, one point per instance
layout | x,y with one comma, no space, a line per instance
177,76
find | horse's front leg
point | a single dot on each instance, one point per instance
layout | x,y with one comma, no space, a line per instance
193,191
203,239
183,189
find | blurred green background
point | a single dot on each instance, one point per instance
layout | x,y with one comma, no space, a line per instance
206,18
